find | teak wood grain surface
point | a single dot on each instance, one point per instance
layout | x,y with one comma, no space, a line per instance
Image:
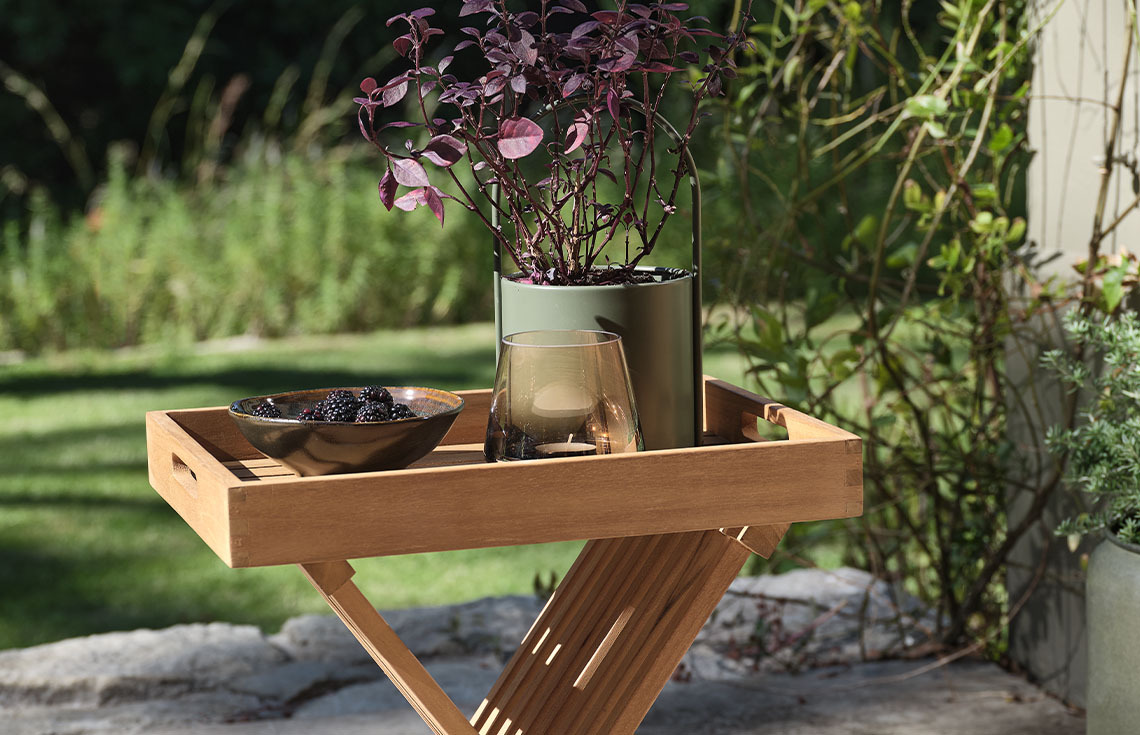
670,529
253,513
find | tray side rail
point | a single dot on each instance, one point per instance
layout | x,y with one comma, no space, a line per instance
732,412
192,481
815,475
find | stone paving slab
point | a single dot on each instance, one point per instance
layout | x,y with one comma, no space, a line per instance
313,678
883,698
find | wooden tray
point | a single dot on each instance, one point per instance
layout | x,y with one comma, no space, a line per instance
253,512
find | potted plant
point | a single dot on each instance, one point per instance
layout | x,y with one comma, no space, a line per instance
1103,452
555,141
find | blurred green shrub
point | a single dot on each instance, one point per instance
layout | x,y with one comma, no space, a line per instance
877,167
279,242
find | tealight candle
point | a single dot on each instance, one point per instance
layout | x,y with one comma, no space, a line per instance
566,449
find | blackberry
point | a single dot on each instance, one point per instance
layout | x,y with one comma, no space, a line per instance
400,411
311,414
339,407
266,411
340,393
372,411
377,394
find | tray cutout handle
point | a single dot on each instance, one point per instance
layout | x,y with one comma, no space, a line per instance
755,427
184,476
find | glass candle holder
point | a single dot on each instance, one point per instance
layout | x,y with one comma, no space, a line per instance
561,393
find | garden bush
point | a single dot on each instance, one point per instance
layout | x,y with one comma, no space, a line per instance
280,242
877,165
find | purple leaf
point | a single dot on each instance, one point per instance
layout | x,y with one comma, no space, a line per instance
463,44
444,150
471,7
368,85
557,10
394,18
575,5
395,90
655,49
444,63
518,137
403,45
613,103
617,63
422,12
527,19
400,124
435,204
494,86
573,84
689,57
657,66
518,83
387,188
583,29
411,200
523,47
673,7
409,172
428,195
626,46
609,17
579,131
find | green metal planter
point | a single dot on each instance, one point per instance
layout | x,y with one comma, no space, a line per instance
655,323
659,323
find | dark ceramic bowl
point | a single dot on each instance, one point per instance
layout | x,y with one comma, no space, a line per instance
332,447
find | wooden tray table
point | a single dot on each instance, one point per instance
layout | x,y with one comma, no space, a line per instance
669,529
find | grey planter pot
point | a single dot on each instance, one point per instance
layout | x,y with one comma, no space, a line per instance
1112,601
660,336
659,323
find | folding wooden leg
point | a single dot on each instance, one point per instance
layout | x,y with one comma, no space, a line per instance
332,580
601,650
760,540
611,635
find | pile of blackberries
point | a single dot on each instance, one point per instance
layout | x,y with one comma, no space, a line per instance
374,404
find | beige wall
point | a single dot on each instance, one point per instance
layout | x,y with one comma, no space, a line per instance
1079,69
1078,72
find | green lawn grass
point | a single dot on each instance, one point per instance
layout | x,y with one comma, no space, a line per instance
86,546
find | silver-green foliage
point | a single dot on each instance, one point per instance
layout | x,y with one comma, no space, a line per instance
1103,448
282,243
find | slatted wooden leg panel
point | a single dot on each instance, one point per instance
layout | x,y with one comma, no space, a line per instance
611,636
333,581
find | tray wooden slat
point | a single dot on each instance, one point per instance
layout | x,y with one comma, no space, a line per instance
252,512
